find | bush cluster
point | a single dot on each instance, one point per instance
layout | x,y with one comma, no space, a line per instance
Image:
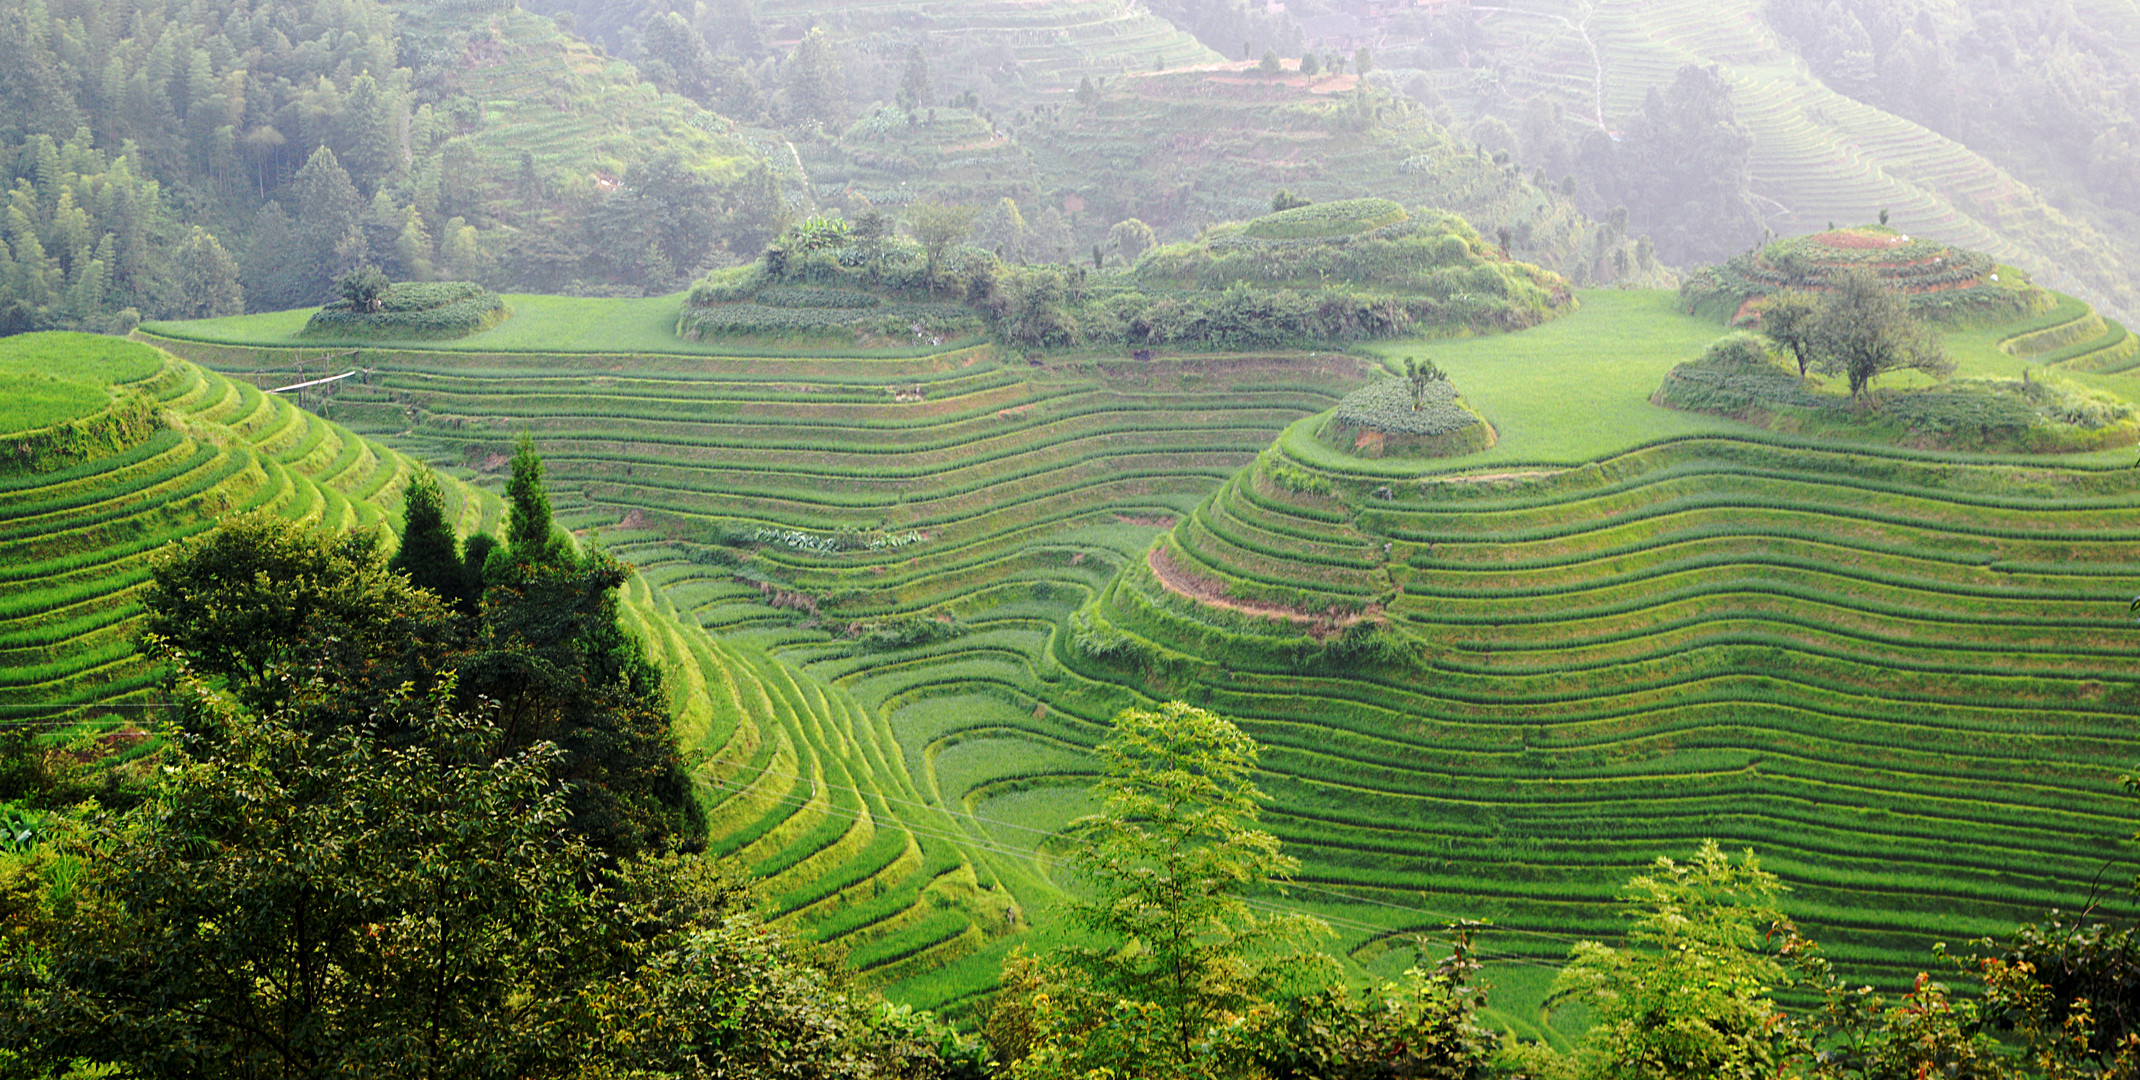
1940,282
1989,405
1378,420
1386,406
413,310
1736,377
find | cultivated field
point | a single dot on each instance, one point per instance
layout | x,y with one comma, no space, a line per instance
1492,686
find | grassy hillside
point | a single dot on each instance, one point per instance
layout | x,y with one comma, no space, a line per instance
931,580
1819,157
78,538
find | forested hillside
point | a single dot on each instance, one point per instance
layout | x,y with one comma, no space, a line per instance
305,138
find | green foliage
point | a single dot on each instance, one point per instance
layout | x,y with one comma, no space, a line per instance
1283,200
529,533
1689,995
1324,281
1397,407
259,595
1392,417
1864,330
1174,857
1938,282
1736,378
408,311
361,288
1423,1024
302,900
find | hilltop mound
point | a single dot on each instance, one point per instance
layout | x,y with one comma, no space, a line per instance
1943,283
1445,274
1306,277
1386,419
413,311
2032,415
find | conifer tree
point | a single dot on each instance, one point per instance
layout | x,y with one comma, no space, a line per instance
815,82
527,523
915,92
430,555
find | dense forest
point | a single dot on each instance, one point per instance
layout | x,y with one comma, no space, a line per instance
174,160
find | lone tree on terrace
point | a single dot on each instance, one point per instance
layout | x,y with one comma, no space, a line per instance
1419,373
1865,330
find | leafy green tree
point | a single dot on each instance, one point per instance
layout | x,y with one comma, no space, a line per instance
362,287
207,278
430,555
1689,996
1270,64
1309,64
1419,375
303,901
939,227
1285,200
1132,238
815,81
1424,1024
258,594
1790,319
1865,330
1175,861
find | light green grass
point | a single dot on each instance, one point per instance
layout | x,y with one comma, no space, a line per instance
28,402
83,358
1577,389
547,324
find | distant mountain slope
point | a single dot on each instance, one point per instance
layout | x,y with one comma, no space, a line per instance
1818,157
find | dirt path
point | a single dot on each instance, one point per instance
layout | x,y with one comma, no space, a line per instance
1182,583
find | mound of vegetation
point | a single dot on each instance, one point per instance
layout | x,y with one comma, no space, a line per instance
1740,379
408,311
1305,276
1421,415
1942,282
826,278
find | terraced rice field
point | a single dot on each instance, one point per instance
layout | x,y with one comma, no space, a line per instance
75,543
1047,47
1903,680
929,581
844,768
